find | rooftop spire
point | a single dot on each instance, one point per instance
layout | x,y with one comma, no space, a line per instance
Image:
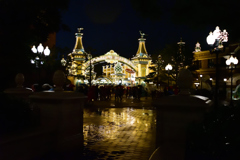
78,45
141,48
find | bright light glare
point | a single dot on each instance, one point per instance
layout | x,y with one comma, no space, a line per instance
40,48
168,67
235,61
216,33
34,49
228,62
210,39
46,51
232,60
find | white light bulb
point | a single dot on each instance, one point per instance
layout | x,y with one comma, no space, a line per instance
217,33
40,48
46,51
228,62
34,49
235,61
210,39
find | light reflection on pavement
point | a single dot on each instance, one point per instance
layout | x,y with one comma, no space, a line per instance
120,133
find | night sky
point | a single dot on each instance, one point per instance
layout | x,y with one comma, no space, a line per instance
115,25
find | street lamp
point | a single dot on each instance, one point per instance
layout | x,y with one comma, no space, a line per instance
231,62
201,80
40,54
215,40
168,68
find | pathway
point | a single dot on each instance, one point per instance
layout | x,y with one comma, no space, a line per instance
119,130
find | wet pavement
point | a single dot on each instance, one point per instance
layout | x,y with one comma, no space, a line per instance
119,129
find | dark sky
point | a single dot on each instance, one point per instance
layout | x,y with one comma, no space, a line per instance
115,25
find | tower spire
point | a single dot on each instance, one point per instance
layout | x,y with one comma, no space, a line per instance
78,48
141,48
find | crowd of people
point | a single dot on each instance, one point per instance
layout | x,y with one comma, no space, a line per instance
105,92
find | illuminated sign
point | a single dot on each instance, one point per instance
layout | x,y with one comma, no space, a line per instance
109,58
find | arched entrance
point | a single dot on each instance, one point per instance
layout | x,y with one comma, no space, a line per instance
79,69
111,57
111,74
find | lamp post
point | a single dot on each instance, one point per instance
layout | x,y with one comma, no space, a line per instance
168,68
231,62
215,40
201,80
225,87
41,53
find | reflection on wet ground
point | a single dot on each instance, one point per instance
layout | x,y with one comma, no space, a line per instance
119,133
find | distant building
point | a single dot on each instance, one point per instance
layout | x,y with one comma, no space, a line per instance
205,65
120,69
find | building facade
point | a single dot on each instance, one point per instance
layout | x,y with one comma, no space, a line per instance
205,75
120,69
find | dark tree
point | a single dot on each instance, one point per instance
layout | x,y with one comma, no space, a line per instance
23,24
158,75
177,57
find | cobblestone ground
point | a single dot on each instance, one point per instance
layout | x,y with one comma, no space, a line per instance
119,133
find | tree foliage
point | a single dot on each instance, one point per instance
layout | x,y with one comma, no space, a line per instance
170,54
23,24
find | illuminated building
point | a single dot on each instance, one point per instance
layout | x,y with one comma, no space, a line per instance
142,60
205,62
117,71
120,70
76,59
